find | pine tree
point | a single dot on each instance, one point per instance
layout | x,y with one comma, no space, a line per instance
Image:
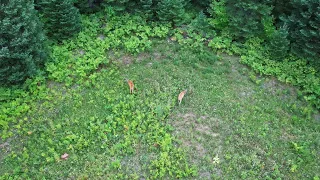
278,44
88,6
246,17
171,11
145,7
204,4
22,50
219,16
120,5
201,25
281,8
304,29
62,19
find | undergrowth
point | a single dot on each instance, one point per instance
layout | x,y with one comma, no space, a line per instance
83,108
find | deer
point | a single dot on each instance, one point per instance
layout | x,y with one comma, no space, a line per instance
131,85
181,95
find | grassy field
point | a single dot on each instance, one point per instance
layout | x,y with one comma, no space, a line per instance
231,124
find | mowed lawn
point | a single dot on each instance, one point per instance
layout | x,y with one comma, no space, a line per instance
231,124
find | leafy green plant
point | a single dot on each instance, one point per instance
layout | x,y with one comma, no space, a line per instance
291,70
219,17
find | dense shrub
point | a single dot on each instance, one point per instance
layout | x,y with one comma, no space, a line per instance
202,3
304,29
146,7
281,8
62,19
88,6
22,49
278,44
219,17
246,18
171,11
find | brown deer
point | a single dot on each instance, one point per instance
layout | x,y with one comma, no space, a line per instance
131,85
181,95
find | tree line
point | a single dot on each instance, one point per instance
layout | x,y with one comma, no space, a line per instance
286,26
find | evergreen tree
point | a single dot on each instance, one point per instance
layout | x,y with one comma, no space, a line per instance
88,6
281,8
278,44
219,16
145,7
246,17
304,29
119,5
62,19
204,4
171,10
22,50
201,25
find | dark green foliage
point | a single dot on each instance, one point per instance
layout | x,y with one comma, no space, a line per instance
278,45
246,17
304,29
88,6
119,5
146,7
171,11
280,8
219,17
22,49
62,19
201,24
202,3
37,4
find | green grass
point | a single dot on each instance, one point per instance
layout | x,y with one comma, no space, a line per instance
231,124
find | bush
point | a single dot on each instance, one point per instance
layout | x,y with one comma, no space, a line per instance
22,50
171,11
88,6
278,44
201,25
219,17
246,18
304,33
62,19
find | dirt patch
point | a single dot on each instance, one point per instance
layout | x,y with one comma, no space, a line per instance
4,145
192,131
157,56
205,130
4,149
316,116
273,86
53,85
126,59
142,56
122,58
286,136
195,147
270,85
101,37
246,93
204,175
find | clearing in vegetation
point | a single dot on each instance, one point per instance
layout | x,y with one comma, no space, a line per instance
231,123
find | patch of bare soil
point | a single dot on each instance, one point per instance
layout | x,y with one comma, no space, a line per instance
4,149
142,56
101,37
273,86
126,59
204,175
186,125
